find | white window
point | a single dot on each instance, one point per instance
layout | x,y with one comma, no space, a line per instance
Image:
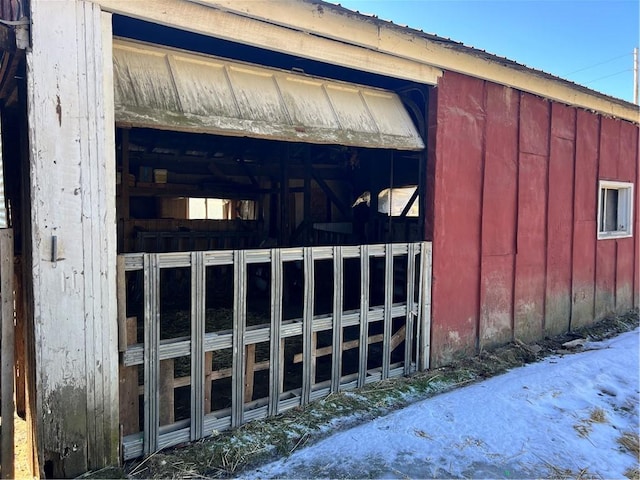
615,209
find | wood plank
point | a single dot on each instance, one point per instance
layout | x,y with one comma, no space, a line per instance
239,327
350,345
208,364
198,367
249,370
7,442
20,342
129,390
338,332
276,345
398,338
388,301
166,386
151,347
121,296
364,311
307,325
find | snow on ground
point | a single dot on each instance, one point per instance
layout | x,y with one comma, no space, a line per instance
558,417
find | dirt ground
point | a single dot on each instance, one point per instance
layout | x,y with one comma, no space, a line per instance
226,454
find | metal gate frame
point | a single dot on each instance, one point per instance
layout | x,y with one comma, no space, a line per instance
415,310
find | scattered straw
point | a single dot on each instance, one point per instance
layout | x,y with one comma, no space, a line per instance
631,443
598,415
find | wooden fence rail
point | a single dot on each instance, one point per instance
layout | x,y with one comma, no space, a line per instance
181,383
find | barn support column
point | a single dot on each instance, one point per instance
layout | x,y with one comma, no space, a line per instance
73,236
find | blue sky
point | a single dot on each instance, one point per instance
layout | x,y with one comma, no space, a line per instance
589,42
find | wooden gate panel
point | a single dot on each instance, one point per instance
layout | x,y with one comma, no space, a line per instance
222,360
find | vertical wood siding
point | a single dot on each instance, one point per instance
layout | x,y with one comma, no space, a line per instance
73,236
514,181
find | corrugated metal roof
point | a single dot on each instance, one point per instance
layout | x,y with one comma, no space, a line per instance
170,89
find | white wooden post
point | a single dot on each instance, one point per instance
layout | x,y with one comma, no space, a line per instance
73,235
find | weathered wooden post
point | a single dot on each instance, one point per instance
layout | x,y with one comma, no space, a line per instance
72,240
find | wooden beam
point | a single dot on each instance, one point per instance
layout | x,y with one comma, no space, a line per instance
349,345
344,209
214,22
7,345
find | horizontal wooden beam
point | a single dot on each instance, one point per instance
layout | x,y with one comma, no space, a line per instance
218,23
340,37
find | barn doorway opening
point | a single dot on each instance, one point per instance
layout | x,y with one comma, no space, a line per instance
304,274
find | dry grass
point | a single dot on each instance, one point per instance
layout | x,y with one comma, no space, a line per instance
631,443
227,453
632,473
598,415
583,429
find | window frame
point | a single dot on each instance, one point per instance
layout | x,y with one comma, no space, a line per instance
624,207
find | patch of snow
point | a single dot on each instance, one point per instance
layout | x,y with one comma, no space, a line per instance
562,414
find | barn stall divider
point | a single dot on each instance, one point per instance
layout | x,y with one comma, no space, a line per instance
210,340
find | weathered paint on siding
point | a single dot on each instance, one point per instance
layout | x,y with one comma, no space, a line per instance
72,188
531,168
458,189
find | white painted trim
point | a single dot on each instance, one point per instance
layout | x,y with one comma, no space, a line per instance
355,41
214,22
625,208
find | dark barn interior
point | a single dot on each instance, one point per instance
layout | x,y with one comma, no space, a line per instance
237,194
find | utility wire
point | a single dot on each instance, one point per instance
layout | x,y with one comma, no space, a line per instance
607,76
597,64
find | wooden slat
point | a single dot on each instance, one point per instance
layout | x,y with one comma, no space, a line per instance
364,310
121,296
129,390
7,345
250,352
350,345
20,341
411,277
388,301
424,307
167,397
397,339
239,326
244,364
337,340
151,347
198,308
276,345
307,326
208,362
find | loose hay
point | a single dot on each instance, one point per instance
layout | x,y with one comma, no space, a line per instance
631,443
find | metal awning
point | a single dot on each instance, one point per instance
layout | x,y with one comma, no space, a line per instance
175,90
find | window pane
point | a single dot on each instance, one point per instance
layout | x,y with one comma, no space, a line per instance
611,210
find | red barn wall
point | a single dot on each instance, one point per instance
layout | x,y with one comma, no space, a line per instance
513,182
